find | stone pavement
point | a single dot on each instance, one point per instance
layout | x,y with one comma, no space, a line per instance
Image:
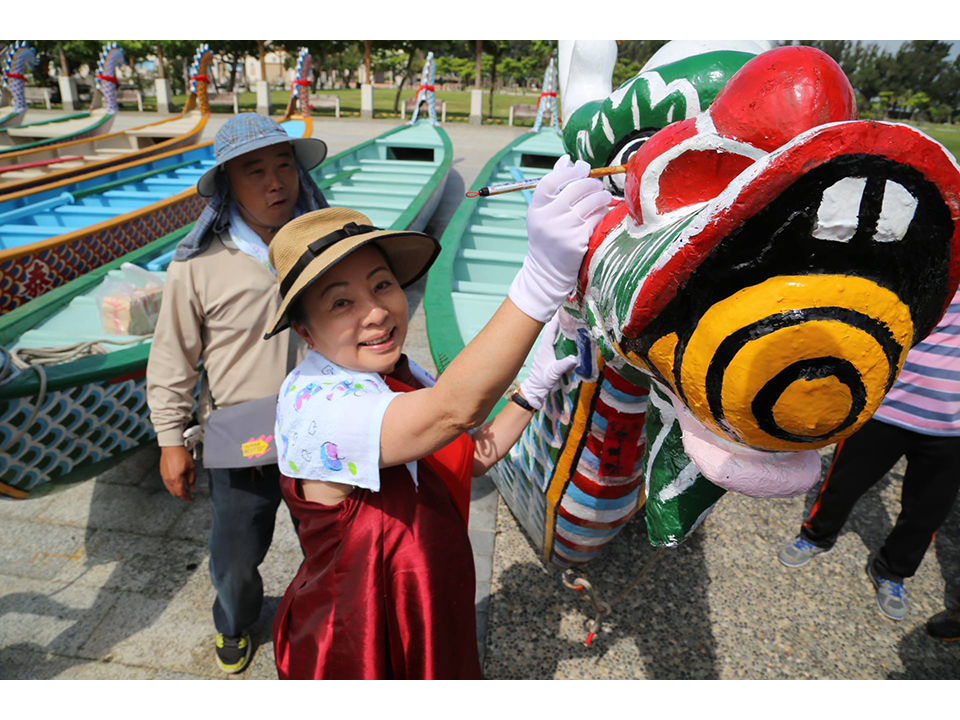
107,577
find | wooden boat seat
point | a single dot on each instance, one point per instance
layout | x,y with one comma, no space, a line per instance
14,235
396,141
165,182
477,287
53,129
83,210
497,232
382,180
365,201
406,191
134,195
374,164
106,154
379,216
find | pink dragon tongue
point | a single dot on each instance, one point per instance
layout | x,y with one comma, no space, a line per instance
743,470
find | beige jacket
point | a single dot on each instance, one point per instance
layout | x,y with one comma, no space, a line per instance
216,308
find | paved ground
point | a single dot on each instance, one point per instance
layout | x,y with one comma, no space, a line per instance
107,578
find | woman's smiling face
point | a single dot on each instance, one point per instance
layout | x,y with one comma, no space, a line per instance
356,313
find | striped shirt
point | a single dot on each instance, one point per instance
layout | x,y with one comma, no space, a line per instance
926,396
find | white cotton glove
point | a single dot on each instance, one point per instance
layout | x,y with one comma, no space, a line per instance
566,207
547,369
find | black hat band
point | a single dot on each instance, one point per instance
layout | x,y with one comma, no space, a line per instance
315,248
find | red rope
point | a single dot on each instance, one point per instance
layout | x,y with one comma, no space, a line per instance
201,78
301,82
548,94
108,78
425,87
16,76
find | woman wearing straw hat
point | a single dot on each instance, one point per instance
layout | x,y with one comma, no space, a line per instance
218,296
375,458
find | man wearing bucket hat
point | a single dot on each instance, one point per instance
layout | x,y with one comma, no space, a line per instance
218,299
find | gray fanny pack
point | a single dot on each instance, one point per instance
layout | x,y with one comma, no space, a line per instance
241,436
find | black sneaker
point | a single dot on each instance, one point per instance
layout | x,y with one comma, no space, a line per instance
945,625
233,653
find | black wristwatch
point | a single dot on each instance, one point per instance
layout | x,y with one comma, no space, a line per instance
522,402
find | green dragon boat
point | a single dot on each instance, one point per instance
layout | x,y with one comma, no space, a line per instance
85,412
483,248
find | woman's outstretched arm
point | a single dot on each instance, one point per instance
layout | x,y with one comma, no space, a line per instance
566,207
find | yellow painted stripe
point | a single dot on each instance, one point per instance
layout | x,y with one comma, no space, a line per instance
563,470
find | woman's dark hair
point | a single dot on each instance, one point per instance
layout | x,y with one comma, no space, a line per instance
297,313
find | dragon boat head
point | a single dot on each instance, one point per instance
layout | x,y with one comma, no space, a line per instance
772,259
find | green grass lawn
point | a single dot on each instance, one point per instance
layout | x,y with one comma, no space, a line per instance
946,135
458,104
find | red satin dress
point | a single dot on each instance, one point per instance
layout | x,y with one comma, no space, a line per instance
387,587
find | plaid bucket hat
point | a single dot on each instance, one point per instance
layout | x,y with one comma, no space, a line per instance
248,132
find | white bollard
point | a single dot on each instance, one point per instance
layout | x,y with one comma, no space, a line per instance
366,101
164,97
263,97
68,93
476,107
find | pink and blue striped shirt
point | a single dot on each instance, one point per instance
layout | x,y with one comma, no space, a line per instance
926,396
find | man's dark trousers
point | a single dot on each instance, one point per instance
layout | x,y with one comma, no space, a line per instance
245,503
930,488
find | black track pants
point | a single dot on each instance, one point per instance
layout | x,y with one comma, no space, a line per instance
930,488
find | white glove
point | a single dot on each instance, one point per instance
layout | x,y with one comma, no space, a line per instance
566,207
547,369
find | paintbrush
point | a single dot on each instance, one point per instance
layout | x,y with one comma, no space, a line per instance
532,183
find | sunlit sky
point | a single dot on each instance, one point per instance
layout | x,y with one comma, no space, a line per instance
892,45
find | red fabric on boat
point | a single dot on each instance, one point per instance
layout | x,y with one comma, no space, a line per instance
387,587
40,163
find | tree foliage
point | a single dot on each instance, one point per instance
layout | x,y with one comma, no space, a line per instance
918,81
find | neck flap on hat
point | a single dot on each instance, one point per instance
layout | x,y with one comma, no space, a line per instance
216,215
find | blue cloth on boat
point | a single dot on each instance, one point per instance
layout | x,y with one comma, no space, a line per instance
216,215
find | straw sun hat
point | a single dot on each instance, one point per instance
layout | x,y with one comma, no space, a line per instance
311,244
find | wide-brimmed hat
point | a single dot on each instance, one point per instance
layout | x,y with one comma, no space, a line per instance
308,246
248,132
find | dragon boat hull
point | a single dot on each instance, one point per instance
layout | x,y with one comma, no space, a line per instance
568,517
128,206
93,409
52,163
483,248
10,117
76,126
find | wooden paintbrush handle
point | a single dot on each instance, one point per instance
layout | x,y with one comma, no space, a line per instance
604,171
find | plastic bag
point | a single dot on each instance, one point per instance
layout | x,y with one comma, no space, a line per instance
130,306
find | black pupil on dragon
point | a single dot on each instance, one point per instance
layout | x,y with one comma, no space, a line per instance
622,153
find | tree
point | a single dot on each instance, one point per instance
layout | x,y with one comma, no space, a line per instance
70,54
235,53
404,58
